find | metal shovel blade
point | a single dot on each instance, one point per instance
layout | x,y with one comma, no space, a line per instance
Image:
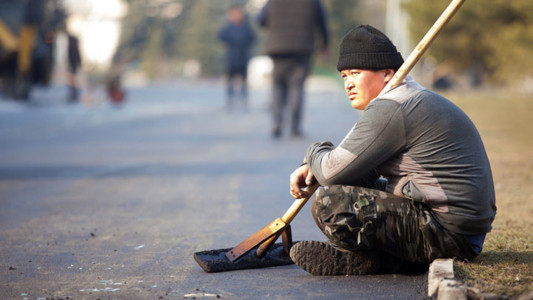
212,261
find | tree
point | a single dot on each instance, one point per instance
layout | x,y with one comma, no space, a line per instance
198,37
342,16
494,37
156,32
153,52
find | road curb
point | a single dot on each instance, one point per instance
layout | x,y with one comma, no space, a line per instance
442,283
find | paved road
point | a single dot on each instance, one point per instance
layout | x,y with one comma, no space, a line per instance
98,202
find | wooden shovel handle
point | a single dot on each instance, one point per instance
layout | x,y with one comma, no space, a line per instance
298,204
289,215
424,44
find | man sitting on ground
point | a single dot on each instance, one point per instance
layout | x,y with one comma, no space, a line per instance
411,181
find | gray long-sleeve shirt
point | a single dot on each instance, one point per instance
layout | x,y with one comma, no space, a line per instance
427,148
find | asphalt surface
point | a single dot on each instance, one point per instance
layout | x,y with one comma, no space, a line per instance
105,202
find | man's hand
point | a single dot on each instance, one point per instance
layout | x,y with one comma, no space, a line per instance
301,178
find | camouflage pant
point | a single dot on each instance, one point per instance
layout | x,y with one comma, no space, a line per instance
357,218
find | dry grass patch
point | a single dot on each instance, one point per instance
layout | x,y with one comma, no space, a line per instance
505,121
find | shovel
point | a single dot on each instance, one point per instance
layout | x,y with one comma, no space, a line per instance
268,253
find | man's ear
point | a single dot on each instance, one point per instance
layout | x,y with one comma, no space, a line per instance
388,74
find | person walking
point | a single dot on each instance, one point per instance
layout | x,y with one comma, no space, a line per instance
290,42
74,63
238,37
411,181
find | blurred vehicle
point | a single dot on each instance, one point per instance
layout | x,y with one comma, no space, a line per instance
27,37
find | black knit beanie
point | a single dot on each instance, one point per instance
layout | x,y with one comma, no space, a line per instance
367,48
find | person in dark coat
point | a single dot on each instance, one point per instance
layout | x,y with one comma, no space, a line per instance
74,63
238,37
290,43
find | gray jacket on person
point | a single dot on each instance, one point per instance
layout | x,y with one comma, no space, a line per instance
427,148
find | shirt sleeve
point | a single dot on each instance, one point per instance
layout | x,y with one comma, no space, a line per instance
377,136
223,33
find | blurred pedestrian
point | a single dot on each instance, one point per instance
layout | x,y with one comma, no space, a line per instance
290,43
238,37
74,63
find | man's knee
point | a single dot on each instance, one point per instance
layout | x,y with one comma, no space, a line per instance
341,211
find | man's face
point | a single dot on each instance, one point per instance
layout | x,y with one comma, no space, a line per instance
364,85
235,16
